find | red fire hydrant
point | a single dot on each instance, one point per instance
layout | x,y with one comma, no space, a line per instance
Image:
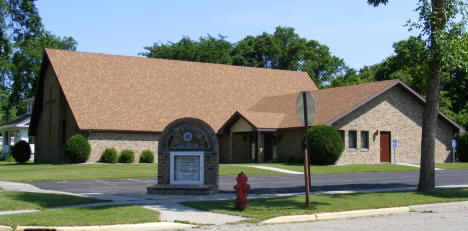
242,189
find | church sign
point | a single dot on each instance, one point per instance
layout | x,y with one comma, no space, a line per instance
187,168
188,159
188,138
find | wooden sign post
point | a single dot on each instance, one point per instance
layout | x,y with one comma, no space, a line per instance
305,111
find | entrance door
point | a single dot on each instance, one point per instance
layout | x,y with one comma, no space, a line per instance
384,146
241,147
268,143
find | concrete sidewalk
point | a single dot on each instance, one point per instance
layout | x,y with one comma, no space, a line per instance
274,169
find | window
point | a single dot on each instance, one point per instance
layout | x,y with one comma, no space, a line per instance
63,125
365,139
352,141
342,135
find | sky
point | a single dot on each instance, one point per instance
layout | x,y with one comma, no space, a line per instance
355,31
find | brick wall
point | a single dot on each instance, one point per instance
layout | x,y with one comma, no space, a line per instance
399,113
135,141
49,147
289,145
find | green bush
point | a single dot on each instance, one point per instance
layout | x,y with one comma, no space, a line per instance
21,151
126,156
325,145
109,156
462,147
147,156
77,149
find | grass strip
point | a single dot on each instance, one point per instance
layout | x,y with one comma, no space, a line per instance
52,172
452,165
261,209
350,168
26,200
103,215
48,172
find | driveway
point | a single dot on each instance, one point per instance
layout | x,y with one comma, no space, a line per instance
270,183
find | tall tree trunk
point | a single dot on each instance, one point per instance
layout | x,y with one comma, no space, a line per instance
431,108
429,125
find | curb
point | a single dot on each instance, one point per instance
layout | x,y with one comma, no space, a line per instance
127,227
335,215
5,228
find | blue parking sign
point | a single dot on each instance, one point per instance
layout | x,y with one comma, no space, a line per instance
454,143
394,143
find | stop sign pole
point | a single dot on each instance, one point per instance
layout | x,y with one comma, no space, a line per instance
305,111
306,153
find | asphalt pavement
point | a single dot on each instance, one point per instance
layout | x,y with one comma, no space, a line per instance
432,217
270,183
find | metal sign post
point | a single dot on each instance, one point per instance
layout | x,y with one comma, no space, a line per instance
394,144
305,111
454,145
306,154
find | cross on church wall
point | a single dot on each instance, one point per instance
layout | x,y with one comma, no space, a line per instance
49,102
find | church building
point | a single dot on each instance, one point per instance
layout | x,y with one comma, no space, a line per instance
126,102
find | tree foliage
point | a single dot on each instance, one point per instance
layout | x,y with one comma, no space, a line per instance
442,24
410,64
22,40
284,49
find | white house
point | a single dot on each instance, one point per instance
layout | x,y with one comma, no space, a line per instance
17,129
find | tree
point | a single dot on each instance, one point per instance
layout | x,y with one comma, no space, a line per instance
409,64
437,24
208,49
22,40
284,49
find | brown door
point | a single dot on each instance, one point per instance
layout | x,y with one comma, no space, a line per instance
384,146
241,147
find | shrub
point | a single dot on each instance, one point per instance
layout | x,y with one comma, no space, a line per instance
147,156
462,147
21,151
109,156
325,145
77,149
126,156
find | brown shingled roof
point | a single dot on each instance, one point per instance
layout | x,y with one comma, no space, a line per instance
110,92
280,111
332,104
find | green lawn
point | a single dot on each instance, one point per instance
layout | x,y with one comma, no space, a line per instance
452,165
25,200
261,209
350,168
46,172
104,215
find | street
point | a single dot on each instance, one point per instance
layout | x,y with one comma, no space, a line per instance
445,217
271,183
